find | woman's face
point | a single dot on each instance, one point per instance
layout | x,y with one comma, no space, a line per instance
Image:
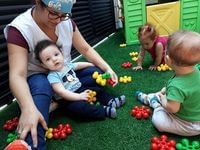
50,17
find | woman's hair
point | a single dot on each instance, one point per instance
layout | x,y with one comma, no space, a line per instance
183,47
41,45
147,31
42,4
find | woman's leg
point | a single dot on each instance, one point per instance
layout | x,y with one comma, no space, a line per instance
41,92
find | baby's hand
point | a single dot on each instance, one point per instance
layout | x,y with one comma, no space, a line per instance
84,96
137,68
163,90
163,99
152,67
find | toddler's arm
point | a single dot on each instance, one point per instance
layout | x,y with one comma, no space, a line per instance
81,65
68,95
140,60
170,105
163,90
159,54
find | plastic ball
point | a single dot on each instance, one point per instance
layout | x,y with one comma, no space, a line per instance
185,142
159,68
103,82
135,58
95,75
50,130
49,135
129,79
196,144
154,146
98,80
18,145
179,146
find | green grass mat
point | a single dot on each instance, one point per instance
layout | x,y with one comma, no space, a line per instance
123,133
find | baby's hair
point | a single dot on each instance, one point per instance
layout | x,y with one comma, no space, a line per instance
41,45
147,31
184,48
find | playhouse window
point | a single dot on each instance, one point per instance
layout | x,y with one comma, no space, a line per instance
150,2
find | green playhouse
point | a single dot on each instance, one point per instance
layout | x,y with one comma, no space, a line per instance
136,14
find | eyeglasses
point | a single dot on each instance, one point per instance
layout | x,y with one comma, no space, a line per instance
53,15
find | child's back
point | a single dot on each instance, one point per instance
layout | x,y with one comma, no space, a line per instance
185,90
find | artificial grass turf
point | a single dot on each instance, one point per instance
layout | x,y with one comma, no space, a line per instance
123,133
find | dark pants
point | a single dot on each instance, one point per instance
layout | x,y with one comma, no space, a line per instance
82,108
41,92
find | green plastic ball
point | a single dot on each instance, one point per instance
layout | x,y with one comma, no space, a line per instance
179,146
196,144
185,142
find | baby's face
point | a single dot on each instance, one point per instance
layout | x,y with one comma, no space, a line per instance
52,58
147,43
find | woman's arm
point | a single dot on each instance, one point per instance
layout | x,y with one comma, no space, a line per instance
68,95
91,55
18,61
81,65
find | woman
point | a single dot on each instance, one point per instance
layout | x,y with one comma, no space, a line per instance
48,19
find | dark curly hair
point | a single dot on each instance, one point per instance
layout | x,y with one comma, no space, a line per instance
41,45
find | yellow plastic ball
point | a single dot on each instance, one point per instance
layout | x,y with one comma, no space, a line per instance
159,68
135,58
163,68
98,80
129,79
103,82
49,135
125,80
95,75
94,93
121,79
50,130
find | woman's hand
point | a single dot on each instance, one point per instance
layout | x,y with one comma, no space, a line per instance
137,68
28,122
114,76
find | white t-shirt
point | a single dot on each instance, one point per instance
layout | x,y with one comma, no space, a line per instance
33,34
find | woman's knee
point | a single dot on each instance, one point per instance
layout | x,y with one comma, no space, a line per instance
88,71
93,69
39,84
